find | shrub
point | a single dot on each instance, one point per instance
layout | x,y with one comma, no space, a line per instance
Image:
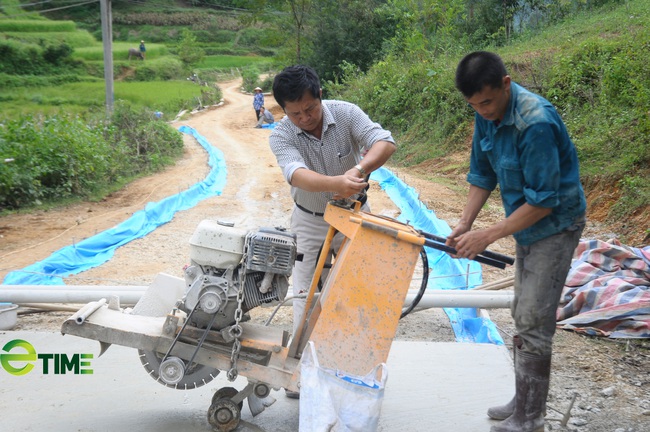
251,79
69,157
166,68
76,39
57,54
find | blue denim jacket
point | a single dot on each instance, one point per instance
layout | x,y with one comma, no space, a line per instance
530,155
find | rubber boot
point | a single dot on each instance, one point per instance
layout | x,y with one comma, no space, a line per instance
532,374
502,412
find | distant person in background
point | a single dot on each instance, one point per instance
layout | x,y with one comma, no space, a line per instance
265,117
521,144
143,49
258,101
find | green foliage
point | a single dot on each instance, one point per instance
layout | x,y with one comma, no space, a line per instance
416,101
80,97
188,51
227,62
218,37
19,81
29,59
11,8
161,69
349,31
77,38
54,157
251,79
69,157
57,54
120,51
593,68
36,26
249,38
143,142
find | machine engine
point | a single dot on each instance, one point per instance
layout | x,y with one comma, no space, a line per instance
224,261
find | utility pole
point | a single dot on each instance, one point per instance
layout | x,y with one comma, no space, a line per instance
107,38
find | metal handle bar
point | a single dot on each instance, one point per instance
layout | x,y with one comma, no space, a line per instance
486,253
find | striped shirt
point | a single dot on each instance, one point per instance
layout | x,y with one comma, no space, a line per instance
348,133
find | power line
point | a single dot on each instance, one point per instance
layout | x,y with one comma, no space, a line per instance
53,9
30,4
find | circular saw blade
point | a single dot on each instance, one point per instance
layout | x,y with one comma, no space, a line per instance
197,375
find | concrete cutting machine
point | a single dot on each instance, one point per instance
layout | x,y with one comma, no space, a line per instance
189,330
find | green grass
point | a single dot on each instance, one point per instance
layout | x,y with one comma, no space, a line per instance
226,61
605,24
120,51
76,39
29,25
76,98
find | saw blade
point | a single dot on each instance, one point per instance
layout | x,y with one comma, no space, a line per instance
197,375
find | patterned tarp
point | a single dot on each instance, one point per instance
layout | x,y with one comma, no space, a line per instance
607,291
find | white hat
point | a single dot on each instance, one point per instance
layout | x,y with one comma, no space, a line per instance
257,88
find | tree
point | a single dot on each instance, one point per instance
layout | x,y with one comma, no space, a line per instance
285,14
346,31
188,50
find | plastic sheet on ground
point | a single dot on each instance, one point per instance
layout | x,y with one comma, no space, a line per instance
607,292
96,250
446,272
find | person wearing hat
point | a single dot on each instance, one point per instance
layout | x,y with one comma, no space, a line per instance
143,49
258,101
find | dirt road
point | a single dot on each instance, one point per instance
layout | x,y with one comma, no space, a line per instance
612,380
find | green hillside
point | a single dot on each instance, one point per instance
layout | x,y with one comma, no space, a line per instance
593,67
395,59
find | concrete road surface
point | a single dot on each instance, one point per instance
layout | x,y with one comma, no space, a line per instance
442,387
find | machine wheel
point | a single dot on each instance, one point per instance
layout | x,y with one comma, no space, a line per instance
224,415
226,393
195,377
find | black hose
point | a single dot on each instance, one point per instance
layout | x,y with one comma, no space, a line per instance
423,284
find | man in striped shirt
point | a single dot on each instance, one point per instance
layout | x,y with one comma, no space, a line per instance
326,150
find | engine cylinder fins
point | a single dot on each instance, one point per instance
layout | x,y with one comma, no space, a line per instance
196,376
252,295
271,249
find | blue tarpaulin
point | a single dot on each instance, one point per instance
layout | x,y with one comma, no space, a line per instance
98,249
446,272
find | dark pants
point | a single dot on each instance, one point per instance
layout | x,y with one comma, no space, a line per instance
541,271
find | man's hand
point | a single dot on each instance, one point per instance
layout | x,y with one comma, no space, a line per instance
348,184
470,243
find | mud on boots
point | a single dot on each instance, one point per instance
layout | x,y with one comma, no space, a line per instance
532,376
502,412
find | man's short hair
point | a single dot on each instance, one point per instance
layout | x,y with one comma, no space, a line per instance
290,84
477,70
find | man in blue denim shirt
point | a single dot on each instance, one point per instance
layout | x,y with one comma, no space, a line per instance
521,144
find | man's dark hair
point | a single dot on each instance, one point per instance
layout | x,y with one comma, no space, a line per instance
477,70
290,84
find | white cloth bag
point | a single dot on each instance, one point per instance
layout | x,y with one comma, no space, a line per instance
333,401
